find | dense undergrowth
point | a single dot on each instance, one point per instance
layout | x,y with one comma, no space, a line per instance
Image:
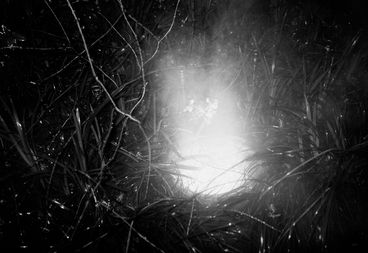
86,135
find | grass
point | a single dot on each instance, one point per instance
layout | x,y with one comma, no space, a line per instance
87,137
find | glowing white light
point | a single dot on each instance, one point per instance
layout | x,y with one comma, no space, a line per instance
212,157
203,117
209,164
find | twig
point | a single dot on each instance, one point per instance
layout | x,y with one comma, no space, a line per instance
93,69
57,19
141,65
143,91
80,53
144,27
165,35
122,37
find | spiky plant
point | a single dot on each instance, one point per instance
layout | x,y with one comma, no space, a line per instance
86,143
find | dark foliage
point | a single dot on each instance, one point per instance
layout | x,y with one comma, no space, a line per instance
87,137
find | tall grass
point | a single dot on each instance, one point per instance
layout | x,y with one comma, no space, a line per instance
86,141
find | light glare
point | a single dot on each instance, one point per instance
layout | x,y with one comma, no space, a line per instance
210,164
212,158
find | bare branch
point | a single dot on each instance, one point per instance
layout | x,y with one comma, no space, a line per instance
165,35
93,69
57,19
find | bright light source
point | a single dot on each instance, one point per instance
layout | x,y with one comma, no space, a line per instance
211,164
212,156
203,112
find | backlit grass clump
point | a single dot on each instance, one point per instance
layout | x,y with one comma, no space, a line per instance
98,97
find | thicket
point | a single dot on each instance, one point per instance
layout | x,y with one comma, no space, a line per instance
84,141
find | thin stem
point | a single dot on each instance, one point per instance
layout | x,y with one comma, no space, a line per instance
93,69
